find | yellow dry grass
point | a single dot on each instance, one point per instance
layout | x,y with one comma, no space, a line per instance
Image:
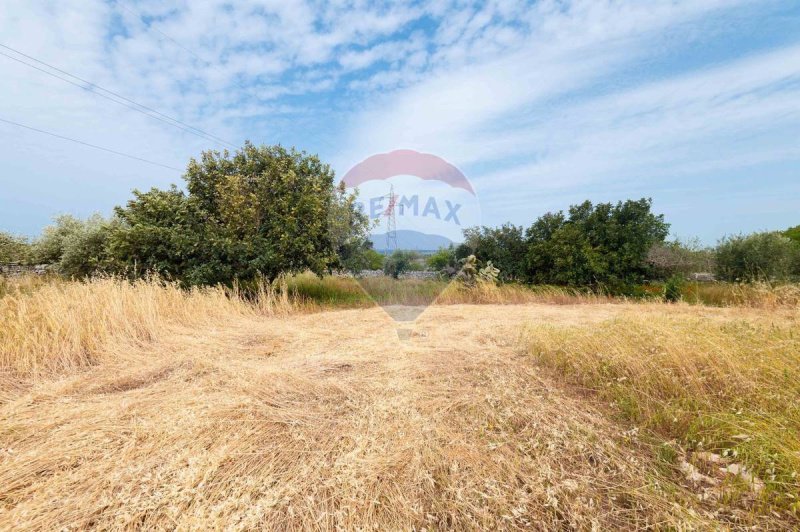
181,410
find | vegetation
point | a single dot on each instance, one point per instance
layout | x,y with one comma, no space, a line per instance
145,404
13,248
758,257
399,262
668,259
724,390
504,246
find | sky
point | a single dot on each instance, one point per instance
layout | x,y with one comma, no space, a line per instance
541,104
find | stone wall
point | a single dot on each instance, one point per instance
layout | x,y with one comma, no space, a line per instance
14,269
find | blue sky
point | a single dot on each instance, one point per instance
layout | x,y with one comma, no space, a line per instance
541,104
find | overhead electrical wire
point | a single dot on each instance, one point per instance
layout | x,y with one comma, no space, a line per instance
114,97
109,150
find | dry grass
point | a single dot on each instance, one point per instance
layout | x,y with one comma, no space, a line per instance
143,406
57,325
730,388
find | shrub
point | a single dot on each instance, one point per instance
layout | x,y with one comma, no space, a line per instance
399,262
673,288
504,246
443,258
13,248
766,256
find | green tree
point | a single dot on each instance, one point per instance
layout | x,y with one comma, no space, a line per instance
262,211
594,245
793,233
443,258
399,262
49,247
13,248
759,256
504,246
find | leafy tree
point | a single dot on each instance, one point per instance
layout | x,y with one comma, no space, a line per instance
442,258
49,248
601,244
13,248
793,233
349,229
504,246
85,251
263,211
76,247
759,256
399,262
374,259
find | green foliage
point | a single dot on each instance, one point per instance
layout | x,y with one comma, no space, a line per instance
793,233
85,251
594,245
374,259
263,211
399,262
442,258
673,288
349,230
504,246
757,257
49,248
13,248
78,248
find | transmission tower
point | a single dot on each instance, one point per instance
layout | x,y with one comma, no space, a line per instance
391,222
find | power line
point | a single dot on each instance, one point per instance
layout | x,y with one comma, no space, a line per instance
133,105
140,17
89,145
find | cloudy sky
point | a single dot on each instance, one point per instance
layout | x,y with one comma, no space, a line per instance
695,103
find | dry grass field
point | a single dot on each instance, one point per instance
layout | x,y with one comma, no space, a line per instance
147,407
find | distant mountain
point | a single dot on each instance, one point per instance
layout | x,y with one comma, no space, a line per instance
411,240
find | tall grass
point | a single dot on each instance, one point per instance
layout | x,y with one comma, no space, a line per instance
728,388
63,325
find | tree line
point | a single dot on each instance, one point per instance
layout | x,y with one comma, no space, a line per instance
268,210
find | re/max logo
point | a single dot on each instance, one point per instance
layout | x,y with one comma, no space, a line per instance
410,206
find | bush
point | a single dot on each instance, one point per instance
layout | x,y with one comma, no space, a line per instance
13,248
594,245
76,247
767,256
673,288
443,258
504,246
399,262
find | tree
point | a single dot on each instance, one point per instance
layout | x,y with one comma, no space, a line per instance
601,244
263,211
504,246
49,248
679,258
349,228
13,248
399,262
759,256
793,233
443,258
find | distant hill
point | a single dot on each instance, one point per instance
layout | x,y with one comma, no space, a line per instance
411,240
